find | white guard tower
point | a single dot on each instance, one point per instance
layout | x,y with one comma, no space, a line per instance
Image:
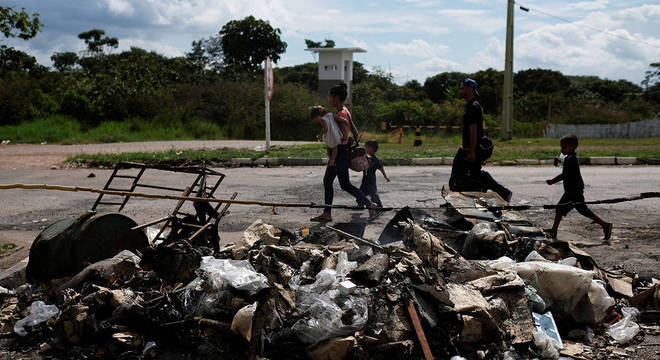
335,66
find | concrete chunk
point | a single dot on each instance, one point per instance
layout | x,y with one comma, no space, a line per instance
434,161
527,162
627,161
241,161
14,276
602,160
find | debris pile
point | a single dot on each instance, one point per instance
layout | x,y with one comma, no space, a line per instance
507,294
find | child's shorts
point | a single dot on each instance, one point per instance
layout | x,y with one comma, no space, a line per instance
565,209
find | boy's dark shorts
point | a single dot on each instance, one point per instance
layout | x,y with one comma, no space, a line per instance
565,209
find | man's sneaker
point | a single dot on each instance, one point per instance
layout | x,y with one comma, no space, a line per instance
607,231
551,233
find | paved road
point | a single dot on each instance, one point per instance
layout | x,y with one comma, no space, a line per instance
30,156
24,212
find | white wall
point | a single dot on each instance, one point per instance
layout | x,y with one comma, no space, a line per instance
331,65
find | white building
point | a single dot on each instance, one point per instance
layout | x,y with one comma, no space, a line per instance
335,66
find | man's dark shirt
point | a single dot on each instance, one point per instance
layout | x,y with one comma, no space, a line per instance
573,184
369,178
473,115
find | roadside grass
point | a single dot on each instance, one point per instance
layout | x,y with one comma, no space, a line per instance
386,150
161,157
65,130
5,247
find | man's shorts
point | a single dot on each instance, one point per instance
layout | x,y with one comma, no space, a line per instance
563,210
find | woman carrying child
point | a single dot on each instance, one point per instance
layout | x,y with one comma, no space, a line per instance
339,156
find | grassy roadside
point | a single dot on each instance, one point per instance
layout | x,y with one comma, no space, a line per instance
6,247
58,129
517,149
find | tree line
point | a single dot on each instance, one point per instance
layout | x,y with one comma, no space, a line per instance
218,84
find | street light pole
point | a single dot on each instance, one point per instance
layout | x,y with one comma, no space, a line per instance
507,94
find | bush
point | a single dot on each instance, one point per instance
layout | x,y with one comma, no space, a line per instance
18,95
80,107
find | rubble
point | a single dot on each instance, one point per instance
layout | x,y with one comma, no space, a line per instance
507,293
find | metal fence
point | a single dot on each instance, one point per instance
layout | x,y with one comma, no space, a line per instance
631,130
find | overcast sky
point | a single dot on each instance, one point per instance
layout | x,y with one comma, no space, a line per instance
413,39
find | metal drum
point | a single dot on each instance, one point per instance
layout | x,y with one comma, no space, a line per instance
67,246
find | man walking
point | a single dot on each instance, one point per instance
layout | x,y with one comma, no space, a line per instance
466,173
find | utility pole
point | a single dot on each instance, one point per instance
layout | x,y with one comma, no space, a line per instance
507,94
268,93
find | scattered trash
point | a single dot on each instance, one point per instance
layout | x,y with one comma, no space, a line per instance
239,274
428,288
39,313
242,323
625,329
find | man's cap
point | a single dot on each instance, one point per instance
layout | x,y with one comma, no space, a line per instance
471,83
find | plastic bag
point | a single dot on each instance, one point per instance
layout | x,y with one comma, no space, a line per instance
323,307
214,306
484,237
324,280
239,274
343,265
625,329
562,288
536,302
323,317
535,256
548,348
39,313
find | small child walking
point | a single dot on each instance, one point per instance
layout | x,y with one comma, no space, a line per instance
368,186
573,189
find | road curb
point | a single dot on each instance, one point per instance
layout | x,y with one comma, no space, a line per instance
440,161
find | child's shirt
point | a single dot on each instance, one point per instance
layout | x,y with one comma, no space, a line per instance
369,176
571,176
332,137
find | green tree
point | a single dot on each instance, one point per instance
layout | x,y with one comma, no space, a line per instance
652,75
413,84
443,86
96,41
542,81
490,83
317,44
197,54
12,60
246,43
64,61
19,23
303,74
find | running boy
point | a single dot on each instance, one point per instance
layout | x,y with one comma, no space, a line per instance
368,186
573,189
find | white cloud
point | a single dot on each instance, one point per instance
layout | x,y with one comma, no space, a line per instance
120,7
472,20
163,49
576,48
415,48
590,5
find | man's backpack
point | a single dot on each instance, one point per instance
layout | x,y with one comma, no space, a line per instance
484,148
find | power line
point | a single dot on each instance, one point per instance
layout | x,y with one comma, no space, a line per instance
527,8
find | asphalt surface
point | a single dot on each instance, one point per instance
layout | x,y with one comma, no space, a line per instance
23,213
